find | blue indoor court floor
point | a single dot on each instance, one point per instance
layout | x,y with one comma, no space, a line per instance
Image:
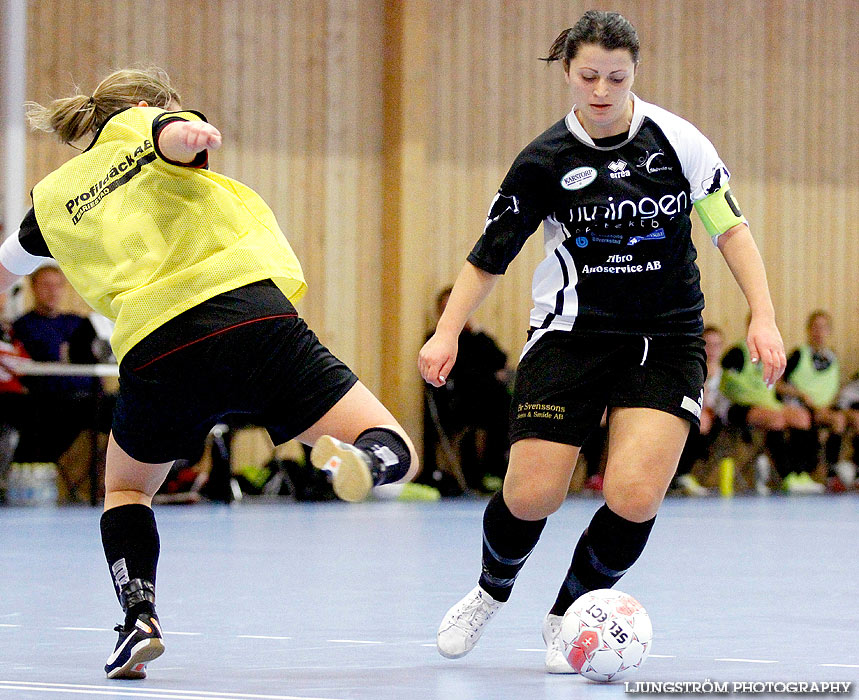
285,600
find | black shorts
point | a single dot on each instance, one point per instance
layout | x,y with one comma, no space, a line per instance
566,380
270,371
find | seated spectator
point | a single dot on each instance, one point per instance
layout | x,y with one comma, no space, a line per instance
10,347
714,413
755,405
812,379
471,408
848,401
14,411
64,405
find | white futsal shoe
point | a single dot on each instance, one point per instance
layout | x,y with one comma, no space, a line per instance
845,470
556,660
464,623
352,477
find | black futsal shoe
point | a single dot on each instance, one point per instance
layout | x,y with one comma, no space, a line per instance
137,645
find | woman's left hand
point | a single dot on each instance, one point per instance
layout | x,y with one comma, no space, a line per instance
766,346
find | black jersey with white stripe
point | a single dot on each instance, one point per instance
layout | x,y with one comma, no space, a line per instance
617,233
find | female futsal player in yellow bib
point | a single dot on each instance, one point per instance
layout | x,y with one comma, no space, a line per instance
200,281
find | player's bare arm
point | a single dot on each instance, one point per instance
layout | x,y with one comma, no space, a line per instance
744,260
438,355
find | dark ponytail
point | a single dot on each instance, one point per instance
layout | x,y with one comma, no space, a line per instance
610,30
558,50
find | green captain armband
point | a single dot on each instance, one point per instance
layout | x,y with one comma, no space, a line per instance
719,212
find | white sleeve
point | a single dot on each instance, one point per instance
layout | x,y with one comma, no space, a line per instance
701,164
17,260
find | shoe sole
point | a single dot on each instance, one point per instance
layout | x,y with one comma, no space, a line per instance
135,667
561,671
451,656
352,479
447,654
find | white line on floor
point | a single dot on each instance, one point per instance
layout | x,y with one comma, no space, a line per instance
168,694
85,629
351,641
750,661
102,629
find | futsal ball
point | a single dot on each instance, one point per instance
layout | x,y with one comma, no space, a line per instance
606,635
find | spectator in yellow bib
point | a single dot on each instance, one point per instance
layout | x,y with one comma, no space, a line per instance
812,378
755,404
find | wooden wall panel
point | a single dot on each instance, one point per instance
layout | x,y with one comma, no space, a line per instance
379,131
410,234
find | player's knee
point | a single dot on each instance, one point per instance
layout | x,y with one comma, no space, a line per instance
634,501
534,503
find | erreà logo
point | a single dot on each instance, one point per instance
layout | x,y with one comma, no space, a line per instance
578,178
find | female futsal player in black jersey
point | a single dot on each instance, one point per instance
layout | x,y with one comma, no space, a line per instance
199,280
616,321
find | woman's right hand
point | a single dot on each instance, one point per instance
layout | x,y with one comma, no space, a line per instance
438,354
437,357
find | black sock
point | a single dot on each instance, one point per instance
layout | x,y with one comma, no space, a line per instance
131,547
833,448
803,450
777,447
607,548
507,544
389,453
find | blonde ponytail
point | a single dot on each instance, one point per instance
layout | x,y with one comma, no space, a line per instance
72,118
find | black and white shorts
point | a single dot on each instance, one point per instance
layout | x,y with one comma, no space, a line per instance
207,366
566,380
